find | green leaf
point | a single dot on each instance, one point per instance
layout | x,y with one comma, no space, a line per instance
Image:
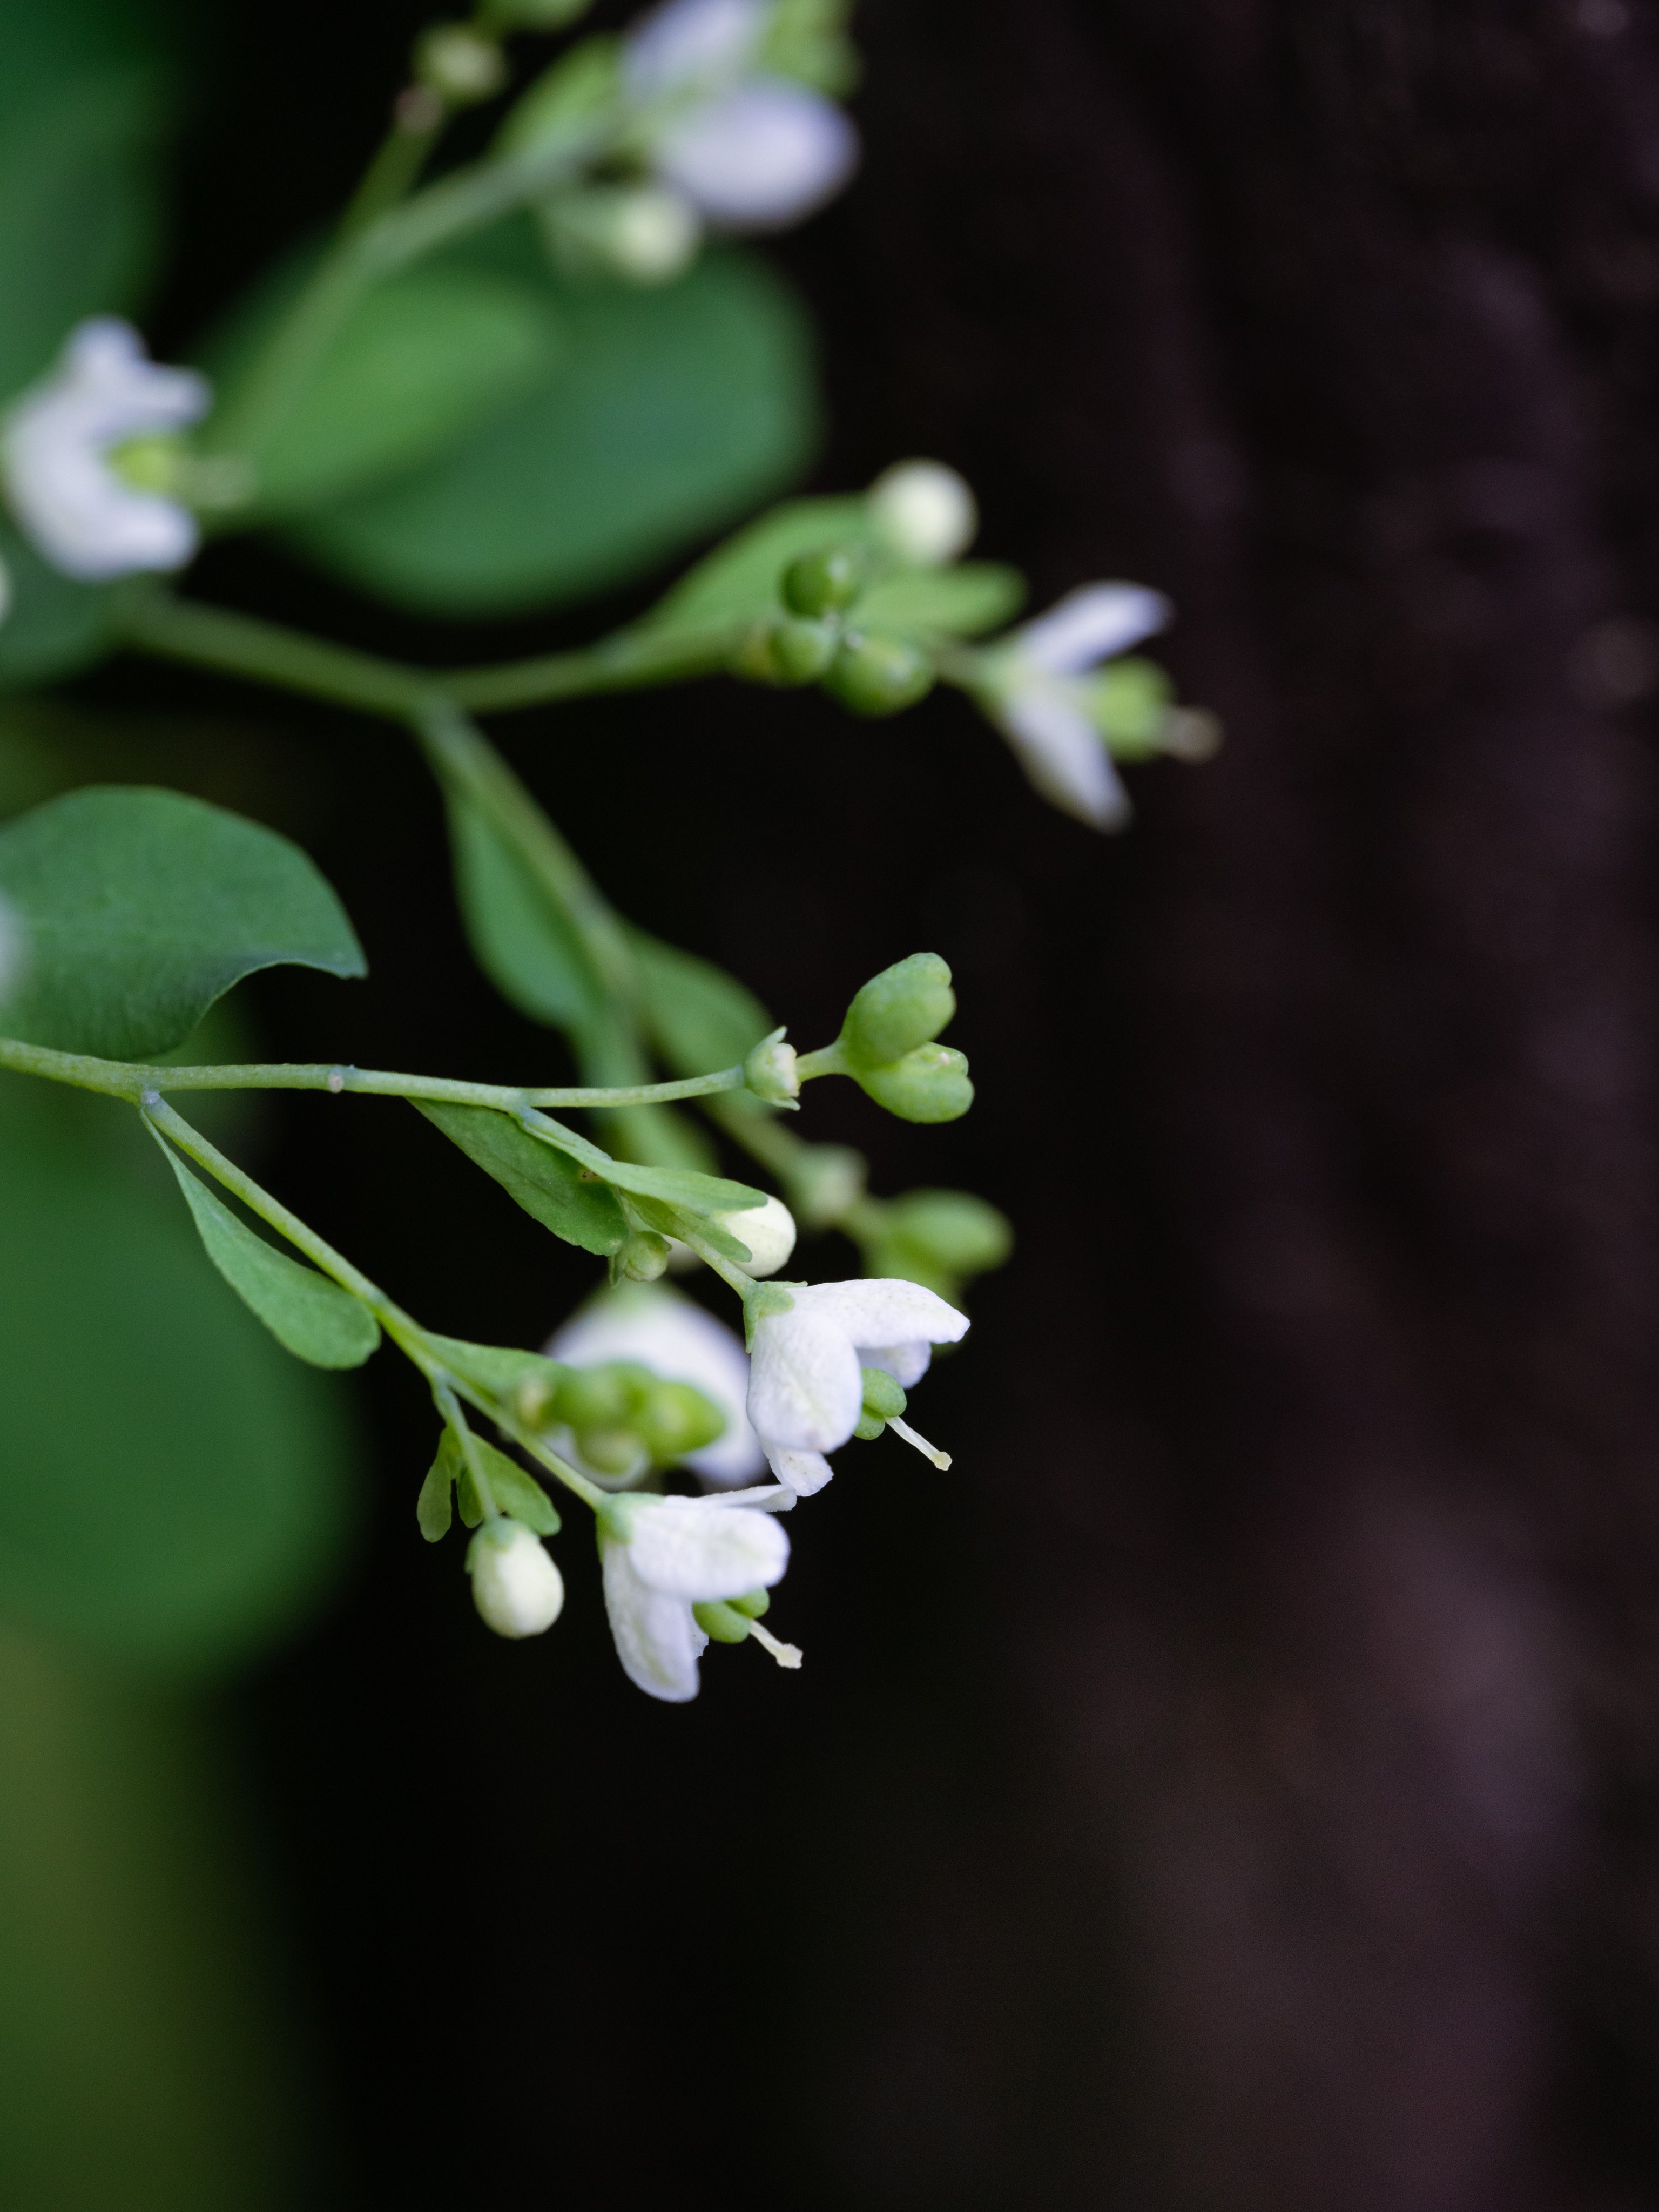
174,1488
499,1370
55,625
432,1508
545,1183
522,942
424,360
700,1018
315,1319
684,1188
739,579
671,408
960,602
140,907
517,1492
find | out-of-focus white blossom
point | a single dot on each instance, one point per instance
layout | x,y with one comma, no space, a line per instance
805,1390
924,512
663,1555
1035,693
747,149
62,451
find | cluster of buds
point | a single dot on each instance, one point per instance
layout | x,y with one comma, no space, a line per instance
887,1043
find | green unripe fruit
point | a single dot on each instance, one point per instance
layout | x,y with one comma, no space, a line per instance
752,1606
788,653
868,1427
907,1005
461,65
878,675
928,1084
955,1230
883,1398
603,1397
720,1624
677,1419
823,583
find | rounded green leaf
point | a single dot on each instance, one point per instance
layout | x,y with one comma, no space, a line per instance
140,907
173,1488
314,1318
671,410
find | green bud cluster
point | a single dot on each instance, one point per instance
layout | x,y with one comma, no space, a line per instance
813,641
623,1418
940,1238
886,1043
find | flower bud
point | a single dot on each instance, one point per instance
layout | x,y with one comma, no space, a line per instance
770,1071
678,1419
787,651
878,675
928,1084
768,1231
923,513
826,1182
515,1585
825,582
637,232
907,1005
641,1258
615,1453
940,1236
461,65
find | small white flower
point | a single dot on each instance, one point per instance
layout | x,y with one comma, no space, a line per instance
805,1391
61,480
677,1340
515,1585
924,512
663,1555
1034,695
748,150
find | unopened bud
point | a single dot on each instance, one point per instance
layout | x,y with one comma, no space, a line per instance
928,1084
826,1182
515,1585
641,1258
770,1071
461,65
788,651
907,1005
950,1230
678,1419
878,675
923,513
768,1231
825,582
637,232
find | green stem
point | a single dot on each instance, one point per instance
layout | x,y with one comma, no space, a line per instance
120,1078
449,1406
392,175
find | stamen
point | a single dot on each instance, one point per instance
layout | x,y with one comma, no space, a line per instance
941,1459
787,1655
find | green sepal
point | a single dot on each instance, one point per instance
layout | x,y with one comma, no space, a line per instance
141,908
961,602
764,1299
1129,704
434,1508
545,1182
679,1221
310,1316
721,1623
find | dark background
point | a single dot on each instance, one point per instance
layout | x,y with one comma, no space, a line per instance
1234,1785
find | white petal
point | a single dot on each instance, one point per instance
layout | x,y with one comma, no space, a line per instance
658,1641
761,156
86,519
885,1310
1090,624
768,1231
1063,754
804,1387
906,1362
677,1340
805,1473
688,44
698,1548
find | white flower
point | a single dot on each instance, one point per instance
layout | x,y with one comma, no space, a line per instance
1034,695
806,1392
71,499
662,1556
515,1585
924,512
746,149
677,1340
